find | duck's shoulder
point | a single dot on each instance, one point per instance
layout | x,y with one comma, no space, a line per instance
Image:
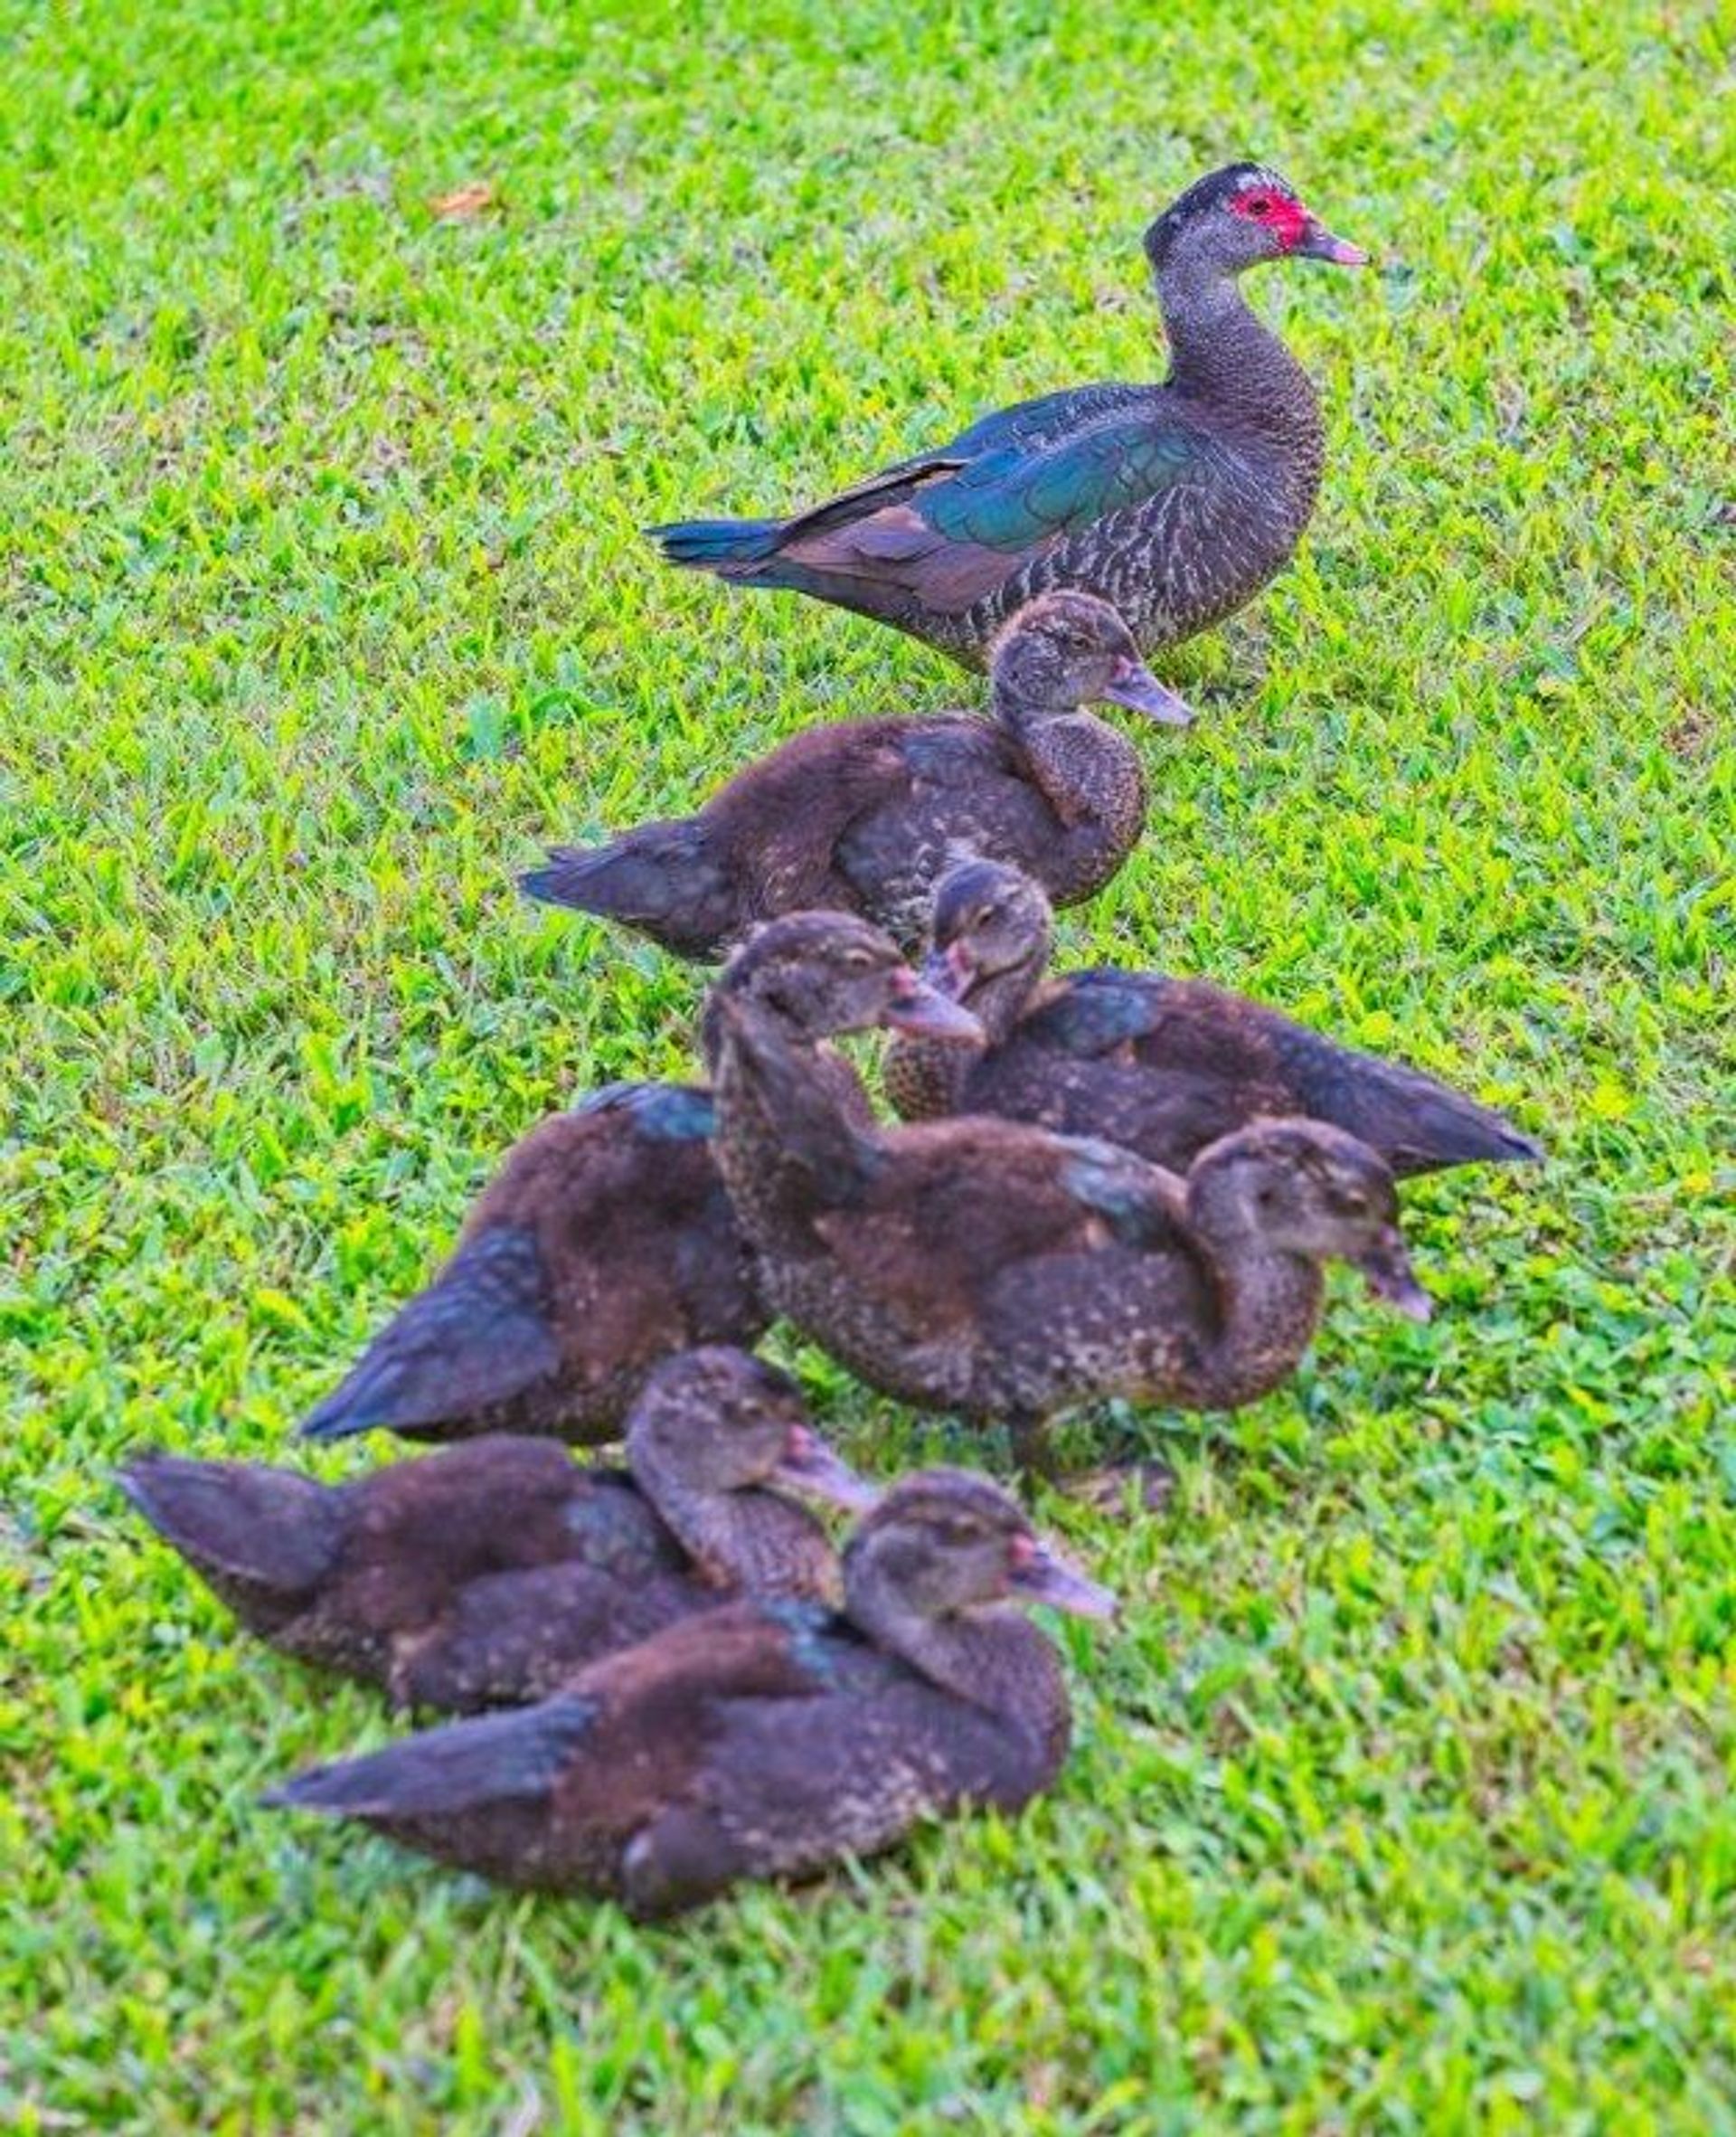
1096,1010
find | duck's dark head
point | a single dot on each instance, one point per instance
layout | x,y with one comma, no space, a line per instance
989,921
1067,649
944,1542
1234,218
821,974
1301,1187
717,1419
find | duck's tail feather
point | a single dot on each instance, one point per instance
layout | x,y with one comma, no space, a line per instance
731,547
662,878
477,1337
497,1758
269,1531
1424,1126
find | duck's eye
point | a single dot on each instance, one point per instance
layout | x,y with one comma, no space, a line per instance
1261,204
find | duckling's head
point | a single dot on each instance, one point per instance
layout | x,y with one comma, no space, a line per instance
1234,218
1300,1186
718,1420
820,974
942,1542
1067,649
989,921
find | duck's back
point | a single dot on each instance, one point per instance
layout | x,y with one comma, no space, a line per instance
968,790
636,1237
948,1275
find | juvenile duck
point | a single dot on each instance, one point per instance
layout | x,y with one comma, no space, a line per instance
1177,502
489,1572
863,816
767,1739
1160,1066
604,1242
991,1268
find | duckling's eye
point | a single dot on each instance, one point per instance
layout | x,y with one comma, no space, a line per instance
1354,1205
859,961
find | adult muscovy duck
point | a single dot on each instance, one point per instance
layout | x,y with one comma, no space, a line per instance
1175,503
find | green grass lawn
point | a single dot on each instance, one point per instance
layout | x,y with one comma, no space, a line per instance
1402,1802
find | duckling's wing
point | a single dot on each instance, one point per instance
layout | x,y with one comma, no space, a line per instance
1144,1205
1098,1012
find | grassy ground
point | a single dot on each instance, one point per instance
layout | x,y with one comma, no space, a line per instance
1402,1803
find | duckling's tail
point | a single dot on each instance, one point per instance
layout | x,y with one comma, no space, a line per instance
260,1536
662,879
732,548
465,1766
1424,1126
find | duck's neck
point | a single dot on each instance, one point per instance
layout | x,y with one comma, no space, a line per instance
993,1659
925,1078
1222,357
1093,779
784,1144
750,1540
999,1000
1269,1299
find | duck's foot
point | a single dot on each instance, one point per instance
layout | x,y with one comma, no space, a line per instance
1033,1453
1107,1487
1150,1485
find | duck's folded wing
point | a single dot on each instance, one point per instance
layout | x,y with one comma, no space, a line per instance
857,1770
1143,1204
948,527
957,1203
1094,1014
1022,495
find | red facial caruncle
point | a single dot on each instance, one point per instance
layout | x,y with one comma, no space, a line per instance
1280,213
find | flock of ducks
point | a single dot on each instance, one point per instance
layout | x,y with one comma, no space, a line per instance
1102,1183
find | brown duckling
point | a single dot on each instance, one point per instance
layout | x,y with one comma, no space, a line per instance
768,1739
864,815
487,1573
604,1242
1162,1066
994,1269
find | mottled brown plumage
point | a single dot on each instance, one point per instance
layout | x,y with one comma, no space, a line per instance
994,1269
1176,502
487,1573
1162,1066
765,1739
603,1244
863,817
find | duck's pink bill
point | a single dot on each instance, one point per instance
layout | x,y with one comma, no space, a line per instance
1134,686
1318,242
1042,1573
809,1465
1387,1271
922,1012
